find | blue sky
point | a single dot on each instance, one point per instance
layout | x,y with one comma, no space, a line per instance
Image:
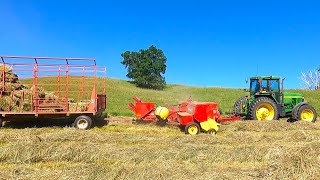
207,43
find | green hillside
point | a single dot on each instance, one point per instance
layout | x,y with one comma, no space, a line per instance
119,94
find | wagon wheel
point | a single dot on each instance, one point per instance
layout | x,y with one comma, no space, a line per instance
83,122
192,128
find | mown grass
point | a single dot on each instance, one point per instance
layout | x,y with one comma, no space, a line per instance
241,150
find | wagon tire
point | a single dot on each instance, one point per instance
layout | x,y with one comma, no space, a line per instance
192,128
83,122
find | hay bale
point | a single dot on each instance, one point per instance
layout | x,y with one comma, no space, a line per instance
7,103
7,68
8,87
26,105
50,95
80,106
10,78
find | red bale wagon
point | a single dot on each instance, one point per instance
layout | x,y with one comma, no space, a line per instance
52,88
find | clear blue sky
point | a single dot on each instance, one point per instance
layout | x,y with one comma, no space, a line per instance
207,42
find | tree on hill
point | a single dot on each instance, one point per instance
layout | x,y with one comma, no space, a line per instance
311,79
146,67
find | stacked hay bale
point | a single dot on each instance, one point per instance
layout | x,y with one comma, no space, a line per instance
78,107
16,97
11,89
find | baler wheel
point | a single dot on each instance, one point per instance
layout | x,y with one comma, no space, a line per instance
307,113
212,131
1,123
192,128
83,122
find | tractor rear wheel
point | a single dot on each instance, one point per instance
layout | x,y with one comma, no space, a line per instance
83,122
192,128
263,108
307,113
240,106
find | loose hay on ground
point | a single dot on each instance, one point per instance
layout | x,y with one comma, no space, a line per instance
129,151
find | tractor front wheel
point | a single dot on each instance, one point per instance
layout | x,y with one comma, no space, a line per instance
192,128
307,113
263,108
83,122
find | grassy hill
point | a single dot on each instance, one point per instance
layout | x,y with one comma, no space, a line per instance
240,150
119,94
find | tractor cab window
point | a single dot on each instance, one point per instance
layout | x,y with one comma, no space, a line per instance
274,84
265,86
255,86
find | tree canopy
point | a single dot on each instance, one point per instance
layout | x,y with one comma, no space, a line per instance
146,67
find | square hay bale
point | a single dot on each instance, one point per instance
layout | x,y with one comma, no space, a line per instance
81,106
6,68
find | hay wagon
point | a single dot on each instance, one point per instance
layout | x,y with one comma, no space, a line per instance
52,88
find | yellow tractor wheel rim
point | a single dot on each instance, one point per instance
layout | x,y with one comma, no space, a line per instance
307,115
193,130
265,112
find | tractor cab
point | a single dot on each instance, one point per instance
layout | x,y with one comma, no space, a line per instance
266,86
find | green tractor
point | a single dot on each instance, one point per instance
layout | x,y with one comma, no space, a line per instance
267,101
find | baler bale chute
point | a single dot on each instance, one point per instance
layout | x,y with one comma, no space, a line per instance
193,116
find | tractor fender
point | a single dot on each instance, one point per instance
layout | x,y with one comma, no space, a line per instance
296,108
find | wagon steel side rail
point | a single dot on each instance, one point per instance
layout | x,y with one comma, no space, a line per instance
47,85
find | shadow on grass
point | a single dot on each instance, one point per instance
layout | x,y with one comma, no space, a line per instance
38,123
45,123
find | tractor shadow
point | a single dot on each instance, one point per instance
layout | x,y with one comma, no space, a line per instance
291,120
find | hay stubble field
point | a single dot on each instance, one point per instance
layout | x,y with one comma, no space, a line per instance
240,150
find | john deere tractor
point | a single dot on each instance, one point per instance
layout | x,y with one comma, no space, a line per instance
267,101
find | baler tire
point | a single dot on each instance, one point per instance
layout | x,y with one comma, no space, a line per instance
212,131
83,122
189,128
238,106
261,101
1,123
307,110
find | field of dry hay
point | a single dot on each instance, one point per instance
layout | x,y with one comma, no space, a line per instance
240,150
